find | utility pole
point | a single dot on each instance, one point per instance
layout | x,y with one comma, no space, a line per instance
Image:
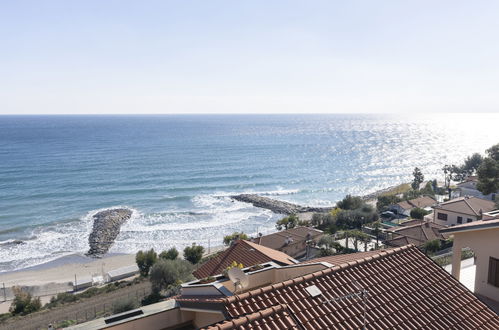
75,286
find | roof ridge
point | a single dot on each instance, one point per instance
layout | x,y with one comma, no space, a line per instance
469,205
296,280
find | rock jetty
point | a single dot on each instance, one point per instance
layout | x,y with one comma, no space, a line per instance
277,206
106,227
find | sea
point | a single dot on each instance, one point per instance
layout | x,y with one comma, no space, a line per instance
177,172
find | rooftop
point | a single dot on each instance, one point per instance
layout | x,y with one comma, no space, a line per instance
279,239
421,202
244,252
467,205
416,234
405,289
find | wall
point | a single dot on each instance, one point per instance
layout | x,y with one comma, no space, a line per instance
161,320
451,217
485,244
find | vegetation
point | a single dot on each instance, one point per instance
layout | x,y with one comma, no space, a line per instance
351,203
419,213
65,324
24,303
385,201
488,172
418,178
432,246
288,222
124,305
154,297
170,254
145,260
166,273
193,253
447,259
234,237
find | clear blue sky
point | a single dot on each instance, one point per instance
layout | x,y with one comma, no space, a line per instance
248,56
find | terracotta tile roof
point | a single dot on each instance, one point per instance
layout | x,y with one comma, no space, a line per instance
343,258
276,317
421,202
405,288
244,252
467,205
417,234
278,240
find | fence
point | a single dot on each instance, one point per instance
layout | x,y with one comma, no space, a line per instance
81,311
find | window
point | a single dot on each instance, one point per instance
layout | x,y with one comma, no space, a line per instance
459,219
442,216
469,220
493,272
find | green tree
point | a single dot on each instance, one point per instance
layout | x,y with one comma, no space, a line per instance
418,213
287,222
234,237
488,172
193,253
432,246
350,203
24,303
145,260
418,178
170,254
385,201
377,230
472,163
166,273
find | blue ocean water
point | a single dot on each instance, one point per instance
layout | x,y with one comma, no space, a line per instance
177,171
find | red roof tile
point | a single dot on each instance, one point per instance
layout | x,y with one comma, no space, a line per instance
244,252
405,288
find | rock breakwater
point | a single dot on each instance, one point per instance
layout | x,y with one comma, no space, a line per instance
277,206
106,228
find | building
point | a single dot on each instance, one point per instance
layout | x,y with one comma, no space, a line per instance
242,252
393,288
461,210
292,241
405,207
482,237
418,234
468,188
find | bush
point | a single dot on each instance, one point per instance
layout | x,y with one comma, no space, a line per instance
124,305
66,323
386,200
193,253
234,237
153,298
145,260
287,222
166,273
432,246
23,303
418,213
171,254
350,203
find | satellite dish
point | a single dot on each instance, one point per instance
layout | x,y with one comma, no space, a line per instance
238,277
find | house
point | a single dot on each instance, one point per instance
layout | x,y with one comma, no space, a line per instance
461,210
405,207
418,234
393,288
482,237
245,253
468,188
292,241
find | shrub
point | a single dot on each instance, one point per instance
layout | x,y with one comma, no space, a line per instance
418,213
171,254
124,305
166,273
153,298
193,253
23,303
234,237
350,203
287,222
145,260
432,246
66,323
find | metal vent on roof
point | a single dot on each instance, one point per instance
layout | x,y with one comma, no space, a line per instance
313,291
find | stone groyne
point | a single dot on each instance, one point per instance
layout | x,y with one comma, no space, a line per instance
277,206
106,227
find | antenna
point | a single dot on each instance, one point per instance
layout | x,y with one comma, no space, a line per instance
238,277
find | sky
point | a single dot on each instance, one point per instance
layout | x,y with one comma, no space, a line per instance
152,57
